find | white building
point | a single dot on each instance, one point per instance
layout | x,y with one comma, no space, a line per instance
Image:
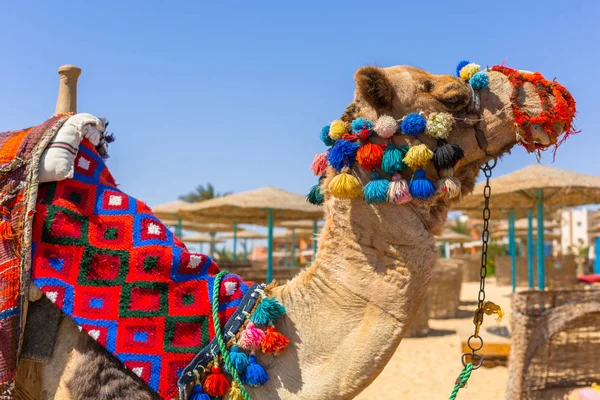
574,226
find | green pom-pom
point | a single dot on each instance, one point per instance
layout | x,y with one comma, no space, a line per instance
267,311
392,159
315,196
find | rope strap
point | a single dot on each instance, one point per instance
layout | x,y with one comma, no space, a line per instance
222,346
462,380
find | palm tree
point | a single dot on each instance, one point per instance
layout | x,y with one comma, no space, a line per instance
459,226
202,193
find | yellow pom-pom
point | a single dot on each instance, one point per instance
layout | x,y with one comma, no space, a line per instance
235,393
345,185
337,129
469,70
418,156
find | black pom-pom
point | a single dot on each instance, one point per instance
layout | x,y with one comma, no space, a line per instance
446,155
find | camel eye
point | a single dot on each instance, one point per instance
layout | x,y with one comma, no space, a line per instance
428,86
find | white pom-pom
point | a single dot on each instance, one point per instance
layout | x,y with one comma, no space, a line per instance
385,126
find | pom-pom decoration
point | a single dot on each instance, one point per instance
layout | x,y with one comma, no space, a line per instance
449,185
418,156
420,186
315,196
267,311
480,80
345,185
251,338
198,393
343,154
413,124
369,156
376,190
446,155
392,159
215,384
439,125
234,393
274,342
254,375
238,359
319,164
361,128
398,191
337,129
460,66
386,126
325,137
469,70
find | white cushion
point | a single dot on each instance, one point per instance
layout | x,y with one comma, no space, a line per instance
57,162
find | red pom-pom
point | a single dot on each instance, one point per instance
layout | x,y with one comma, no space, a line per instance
215,384
369,156
319,164
274,342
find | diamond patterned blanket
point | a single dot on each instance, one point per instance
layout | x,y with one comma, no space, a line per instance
108,263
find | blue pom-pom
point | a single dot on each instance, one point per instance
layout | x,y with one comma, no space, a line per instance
343,154
413,124
238,359
376,190
360,124
254,375
420,186
461,65
325,137
480,80
267,311
198,393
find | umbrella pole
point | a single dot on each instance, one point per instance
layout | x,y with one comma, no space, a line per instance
597,261
200,246
235,226
178,228
212,244
511,248
446,250
292,258
245,250
270,246
530,247
540,239
314,240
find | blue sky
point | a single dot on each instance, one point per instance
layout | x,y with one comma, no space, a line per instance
235,92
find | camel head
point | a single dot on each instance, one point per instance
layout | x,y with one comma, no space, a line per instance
475,116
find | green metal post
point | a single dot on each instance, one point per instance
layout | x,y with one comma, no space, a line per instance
315,241
179,228
200,247
235,227
530,248
540,240
212,244
512,248
293,257
245,250
446,250
270,246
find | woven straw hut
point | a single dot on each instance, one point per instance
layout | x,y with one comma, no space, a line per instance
419,326
444,290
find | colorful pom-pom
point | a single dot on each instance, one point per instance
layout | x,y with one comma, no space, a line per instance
234,393
343,154
398,191
449,185
319,164
345,185
460,66
386,126
325,137
254,375
198,393
376,190
361,128
392,159
413,124
315,196
439,125
267,311
251,338
369,156
469,70
420,186
274,342
418,156
215,384
480,80
446,155
238,359
337,129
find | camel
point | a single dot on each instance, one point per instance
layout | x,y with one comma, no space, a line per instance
347,312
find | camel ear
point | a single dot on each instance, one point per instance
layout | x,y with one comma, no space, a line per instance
374,86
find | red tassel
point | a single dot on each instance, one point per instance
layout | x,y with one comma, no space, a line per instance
274,342
369,156
215,384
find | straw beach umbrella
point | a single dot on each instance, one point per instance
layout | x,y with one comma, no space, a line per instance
246,235
449,236
170,211
293,225
536,186
255,207
200,239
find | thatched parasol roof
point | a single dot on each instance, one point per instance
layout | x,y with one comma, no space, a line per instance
200,238
250,207
170,210
522,233
244,234
595,229
522,224
454,237
298,234
308,224
199,227
517,190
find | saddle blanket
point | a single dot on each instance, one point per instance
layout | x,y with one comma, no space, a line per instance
110,265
